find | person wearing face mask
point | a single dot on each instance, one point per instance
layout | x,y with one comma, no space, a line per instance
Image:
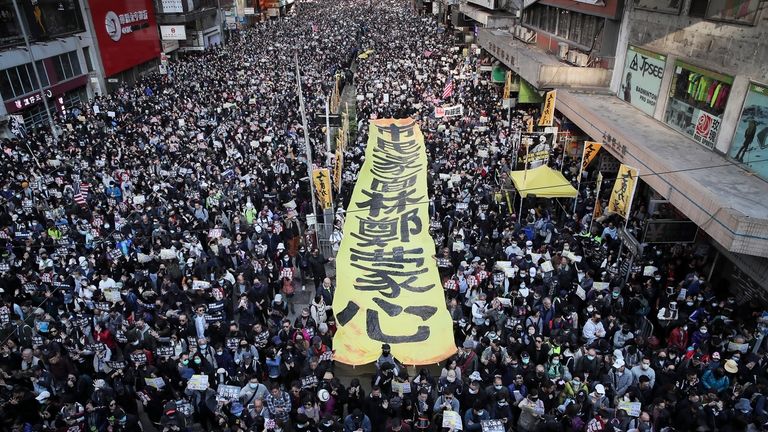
588,364
644,369
678,338
252,390
223,359
700,337
621,337
531,410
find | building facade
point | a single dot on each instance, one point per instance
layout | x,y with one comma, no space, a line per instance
79,48
676,89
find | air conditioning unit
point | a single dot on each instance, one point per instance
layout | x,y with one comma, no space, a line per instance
572,56
562,51
582,59
528,36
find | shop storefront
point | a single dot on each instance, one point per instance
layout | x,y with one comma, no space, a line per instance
697,101
750,141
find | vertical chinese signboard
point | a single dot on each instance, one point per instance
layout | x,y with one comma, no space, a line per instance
623,191
392,291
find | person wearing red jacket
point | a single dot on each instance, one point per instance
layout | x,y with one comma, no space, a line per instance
103,335
678,338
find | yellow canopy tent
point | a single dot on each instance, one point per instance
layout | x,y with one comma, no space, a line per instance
543,182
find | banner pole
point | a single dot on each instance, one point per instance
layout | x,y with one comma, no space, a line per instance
578,186
307,146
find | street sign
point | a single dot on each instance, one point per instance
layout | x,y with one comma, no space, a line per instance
333,119
634,246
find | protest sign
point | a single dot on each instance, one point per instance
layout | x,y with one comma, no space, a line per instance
198,382
452,420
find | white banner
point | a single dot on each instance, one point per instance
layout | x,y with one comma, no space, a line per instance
451,111
249,11
173,32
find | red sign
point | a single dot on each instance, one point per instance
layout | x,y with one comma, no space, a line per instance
127,33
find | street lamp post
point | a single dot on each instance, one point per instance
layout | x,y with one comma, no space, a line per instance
307,146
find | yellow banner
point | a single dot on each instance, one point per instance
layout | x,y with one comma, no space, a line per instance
598,211
508,85
548,110
337,169
623,191
529,123
591,149
322,181
390,291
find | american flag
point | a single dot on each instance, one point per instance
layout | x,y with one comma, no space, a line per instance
81,193
448,90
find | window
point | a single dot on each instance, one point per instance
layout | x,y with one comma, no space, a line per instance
551,20
20,80
563,22
697,101
67,66
42,73
576,27
738,11
88,61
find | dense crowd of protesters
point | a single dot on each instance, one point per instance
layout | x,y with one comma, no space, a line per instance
149,261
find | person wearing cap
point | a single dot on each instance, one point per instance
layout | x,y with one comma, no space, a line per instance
598,400
356,421
386,356
619,379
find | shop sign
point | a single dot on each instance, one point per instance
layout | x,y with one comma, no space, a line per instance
641,80
614,144
31,100
707,127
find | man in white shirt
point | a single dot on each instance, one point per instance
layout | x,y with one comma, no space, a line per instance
593,329
106,282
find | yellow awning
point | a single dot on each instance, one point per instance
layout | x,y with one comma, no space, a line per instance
542,182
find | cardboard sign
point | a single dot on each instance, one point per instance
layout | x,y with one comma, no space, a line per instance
401,387
139,358
157,383
232,343
229,392
326,356
632,408
117,364
198,382
200,285
452,420
164,351
308,381
492,426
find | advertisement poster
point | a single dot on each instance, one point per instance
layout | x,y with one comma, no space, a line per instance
706,128
126,31
750,141
641,80
535,150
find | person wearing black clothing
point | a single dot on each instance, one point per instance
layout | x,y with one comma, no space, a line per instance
317,262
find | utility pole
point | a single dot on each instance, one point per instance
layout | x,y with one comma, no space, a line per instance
327,124
307,146
24,33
